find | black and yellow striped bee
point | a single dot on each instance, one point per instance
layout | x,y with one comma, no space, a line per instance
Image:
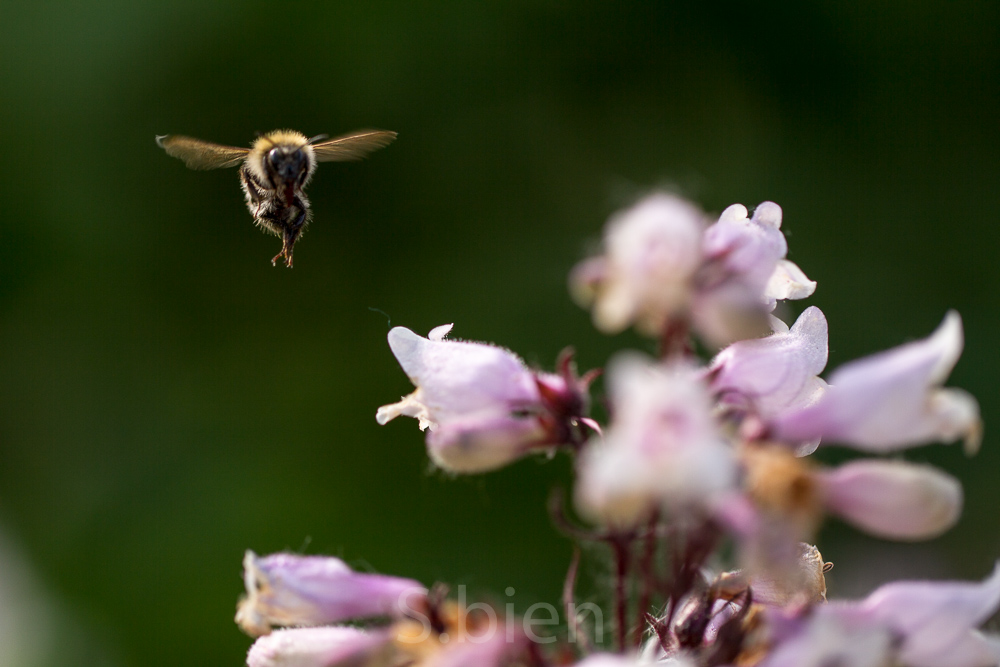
275,170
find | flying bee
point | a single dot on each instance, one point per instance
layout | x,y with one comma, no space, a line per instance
275,170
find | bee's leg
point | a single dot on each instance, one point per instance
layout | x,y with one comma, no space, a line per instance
290,236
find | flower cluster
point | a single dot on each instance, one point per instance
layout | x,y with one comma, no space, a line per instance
697,459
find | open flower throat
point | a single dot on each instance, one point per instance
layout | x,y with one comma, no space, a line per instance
700,486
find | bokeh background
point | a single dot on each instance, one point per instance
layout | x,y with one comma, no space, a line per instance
168,399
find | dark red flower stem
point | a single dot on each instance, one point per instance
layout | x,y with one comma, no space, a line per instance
647,576
675,341
568,598
621,548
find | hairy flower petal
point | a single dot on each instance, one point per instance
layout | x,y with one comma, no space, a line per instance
479,402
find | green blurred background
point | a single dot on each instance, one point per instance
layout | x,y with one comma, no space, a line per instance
168,399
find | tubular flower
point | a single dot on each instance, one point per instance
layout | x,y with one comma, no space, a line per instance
651,253
664,448
892,400
692,454
482,407
285,589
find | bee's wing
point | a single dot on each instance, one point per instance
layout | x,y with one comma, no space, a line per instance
353,146
198,154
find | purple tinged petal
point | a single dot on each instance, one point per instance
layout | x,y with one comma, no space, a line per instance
748,248
459,378
893,499
482,442
619,660
933,617
892,400
316,647
480,402
490,648
779,372
285,589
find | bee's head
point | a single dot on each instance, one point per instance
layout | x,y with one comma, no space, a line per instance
287,164
282,159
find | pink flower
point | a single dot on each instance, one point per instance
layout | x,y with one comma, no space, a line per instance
910,623
285,589
747,249
317,647
892,400
661,268
772,375
480,403
662,449
786,497
893,499
743,274
651,253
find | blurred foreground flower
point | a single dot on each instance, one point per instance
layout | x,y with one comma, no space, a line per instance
664,450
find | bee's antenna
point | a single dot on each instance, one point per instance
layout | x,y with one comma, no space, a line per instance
318,137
